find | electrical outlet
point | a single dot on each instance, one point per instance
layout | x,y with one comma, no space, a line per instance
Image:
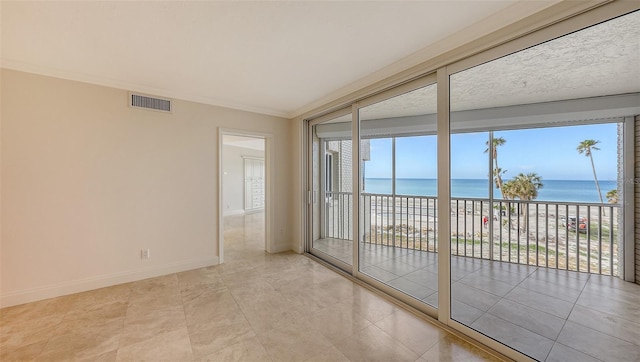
145,253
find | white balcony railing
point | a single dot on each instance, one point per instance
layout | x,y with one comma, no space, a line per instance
561,235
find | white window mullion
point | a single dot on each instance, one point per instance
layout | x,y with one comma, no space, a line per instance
444,197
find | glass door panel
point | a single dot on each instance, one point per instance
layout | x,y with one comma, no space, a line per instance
535,147
331,190
398,204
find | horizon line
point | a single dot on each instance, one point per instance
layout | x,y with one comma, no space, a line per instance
481,179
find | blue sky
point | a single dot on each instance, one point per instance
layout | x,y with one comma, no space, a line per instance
549,152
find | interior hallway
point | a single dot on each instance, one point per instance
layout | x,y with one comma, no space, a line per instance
255,307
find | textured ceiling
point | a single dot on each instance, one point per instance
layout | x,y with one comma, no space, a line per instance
597,61
269,57
603,59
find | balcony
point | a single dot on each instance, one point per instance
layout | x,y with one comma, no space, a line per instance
536,276
579,237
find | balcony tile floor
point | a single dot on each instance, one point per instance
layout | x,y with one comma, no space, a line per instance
548,314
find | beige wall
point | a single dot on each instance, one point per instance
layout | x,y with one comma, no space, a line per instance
87,182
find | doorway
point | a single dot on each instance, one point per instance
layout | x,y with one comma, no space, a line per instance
253,183
243,193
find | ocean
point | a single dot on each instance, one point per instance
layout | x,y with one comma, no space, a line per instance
552,190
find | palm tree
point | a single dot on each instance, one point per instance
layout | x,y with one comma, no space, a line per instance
525,187
497,174
509,190
612,196
586,147
528,185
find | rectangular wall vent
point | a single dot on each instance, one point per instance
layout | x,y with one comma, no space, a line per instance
158,104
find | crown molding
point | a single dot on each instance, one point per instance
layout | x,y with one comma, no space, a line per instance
106,81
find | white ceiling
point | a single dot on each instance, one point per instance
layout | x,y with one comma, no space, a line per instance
276,58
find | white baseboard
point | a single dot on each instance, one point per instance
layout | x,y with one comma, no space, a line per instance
233,212
280,248
82,285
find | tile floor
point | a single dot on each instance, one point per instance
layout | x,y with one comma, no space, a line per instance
548,314
255,307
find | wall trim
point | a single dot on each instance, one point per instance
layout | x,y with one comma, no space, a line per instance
86,284
21,66
281,249
234,212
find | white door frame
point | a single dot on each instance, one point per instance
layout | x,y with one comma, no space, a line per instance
268,186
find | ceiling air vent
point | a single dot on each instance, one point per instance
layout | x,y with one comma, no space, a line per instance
146,102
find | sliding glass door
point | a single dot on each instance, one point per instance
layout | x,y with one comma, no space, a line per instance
398,245
536,145
331,196
496,199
